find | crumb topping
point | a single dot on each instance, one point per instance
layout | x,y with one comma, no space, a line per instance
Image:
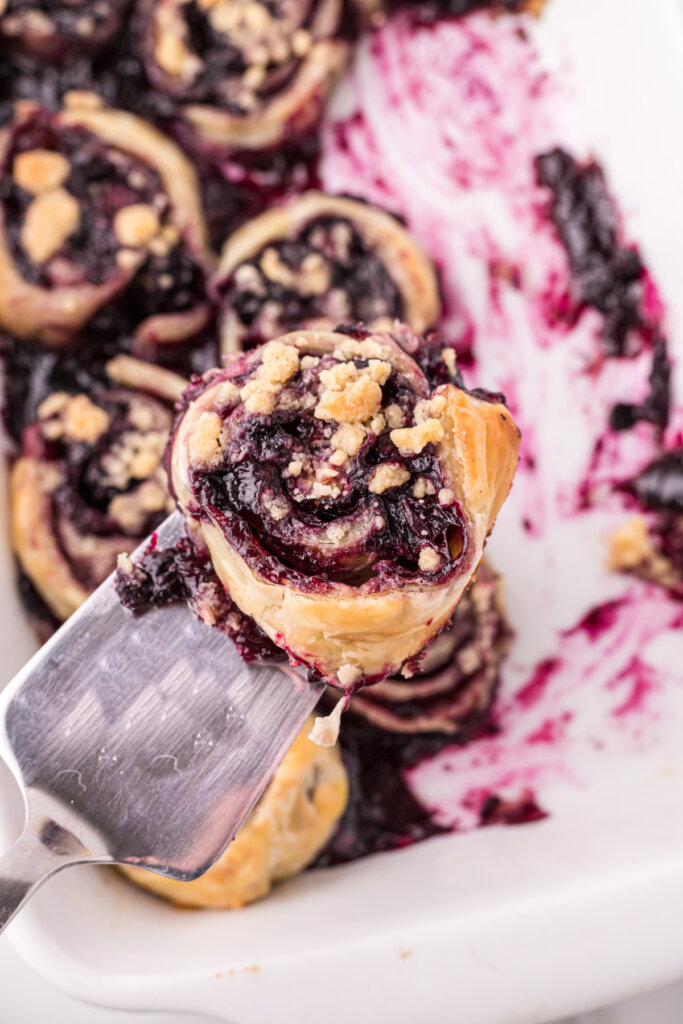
348,438
279,363
394,416
429,560
386,476
50,220
630,545
77,418
40,170
136,225
204,442
412,440
448,356
133,509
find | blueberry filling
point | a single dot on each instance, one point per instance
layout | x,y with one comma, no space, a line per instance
607,275
255,476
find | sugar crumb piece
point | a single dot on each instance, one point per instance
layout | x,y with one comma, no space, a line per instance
348,438
136,225
279,363
377,424
359,401
446,496
429,560
124,564
321,490
629,545
295,467
259,396
353,349
386,476
309,362
325,731
203,445
339,457
40,170
277,507
412,440
449,358
394,416
348,675
420,488
379,370
50,220
82,420
226,394
336,378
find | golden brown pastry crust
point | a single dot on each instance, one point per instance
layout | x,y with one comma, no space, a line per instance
350,632
53,316
405,261
289,826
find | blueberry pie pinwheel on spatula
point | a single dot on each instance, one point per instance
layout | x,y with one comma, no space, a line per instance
345,505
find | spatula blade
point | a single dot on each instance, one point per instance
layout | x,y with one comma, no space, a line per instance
151,731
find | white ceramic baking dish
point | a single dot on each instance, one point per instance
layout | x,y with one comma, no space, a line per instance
496,926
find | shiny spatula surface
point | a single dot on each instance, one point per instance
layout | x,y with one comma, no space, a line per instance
140,741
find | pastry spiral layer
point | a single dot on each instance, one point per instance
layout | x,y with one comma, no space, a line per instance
57,30
345,506
89,482
452,690
289,826
94,203
243,74
321,261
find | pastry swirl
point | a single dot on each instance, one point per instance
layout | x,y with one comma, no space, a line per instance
321,261
452,689
58,30
243,74
89,482
289,826
344,505
93,200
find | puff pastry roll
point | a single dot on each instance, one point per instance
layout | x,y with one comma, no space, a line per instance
453,687
89,482
344,504
242,74
321,261
58,30
289,826
96,205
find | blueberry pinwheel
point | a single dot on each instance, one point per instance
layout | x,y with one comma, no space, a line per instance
320,261
242,74
345,505
58,30
98,209
89,481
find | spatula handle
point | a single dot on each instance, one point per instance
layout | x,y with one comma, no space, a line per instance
43,849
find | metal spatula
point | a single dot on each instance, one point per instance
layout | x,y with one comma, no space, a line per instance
139,741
